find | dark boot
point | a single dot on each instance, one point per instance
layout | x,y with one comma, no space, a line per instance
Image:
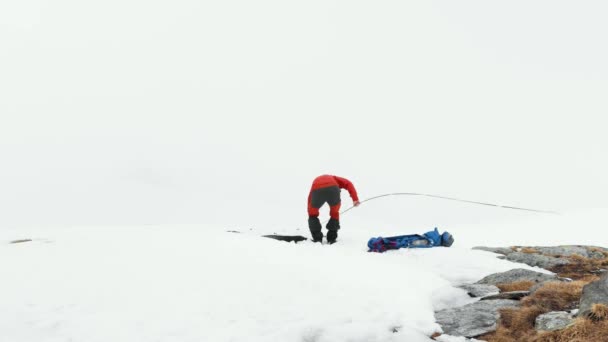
315,229
332,230
332,235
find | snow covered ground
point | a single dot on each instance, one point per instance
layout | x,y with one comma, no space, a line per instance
196,283
135,112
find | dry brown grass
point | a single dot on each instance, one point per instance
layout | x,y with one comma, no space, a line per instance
588,278
516,286
580,267
503,334
529,250
599,312
518,318
556,296
583,330
515,325
518,324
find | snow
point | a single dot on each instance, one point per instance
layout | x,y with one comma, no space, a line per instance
201,283
150,128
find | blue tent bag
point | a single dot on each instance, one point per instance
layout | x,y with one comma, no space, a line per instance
426,240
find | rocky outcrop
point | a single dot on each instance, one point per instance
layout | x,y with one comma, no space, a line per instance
552,321
570,262
516,275
497,250
515,295
594,293
565,251
546,257
536,260
479,290
473,319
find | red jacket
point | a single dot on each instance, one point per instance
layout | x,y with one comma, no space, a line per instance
329,180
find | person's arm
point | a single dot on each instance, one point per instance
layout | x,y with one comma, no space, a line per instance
344,183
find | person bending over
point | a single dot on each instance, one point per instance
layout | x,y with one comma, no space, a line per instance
326,189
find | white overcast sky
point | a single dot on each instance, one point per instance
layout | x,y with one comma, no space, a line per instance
183,111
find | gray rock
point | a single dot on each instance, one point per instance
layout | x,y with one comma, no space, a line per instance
552,321
549,251
565,251
515,295
497,250
537,260
596,255
599,272
479,290
594,293
473,319
518,274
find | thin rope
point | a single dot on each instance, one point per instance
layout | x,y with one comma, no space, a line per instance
453,199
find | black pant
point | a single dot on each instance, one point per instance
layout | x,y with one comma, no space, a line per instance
318,197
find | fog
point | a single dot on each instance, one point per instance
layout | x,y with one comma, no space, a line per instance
222,112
